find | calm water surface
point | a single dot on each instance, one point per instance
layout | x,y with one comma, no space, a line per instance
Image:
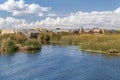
56,62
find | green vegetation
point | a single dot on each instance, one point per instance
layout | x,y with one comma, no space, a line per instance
17,38
7,45
11,43
98,43
106,43
44,37
32,44
49,37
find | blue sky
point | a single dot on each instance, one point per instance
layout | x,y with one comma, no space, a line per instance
53,13
78,5
61,7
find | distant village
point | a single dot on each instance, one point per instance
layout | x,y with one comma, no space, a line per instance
33,33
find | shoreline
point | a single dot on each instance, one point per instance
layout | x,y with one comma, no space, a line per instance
96,51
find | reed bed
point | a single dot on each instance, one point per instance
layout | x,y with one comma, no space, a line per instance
94,42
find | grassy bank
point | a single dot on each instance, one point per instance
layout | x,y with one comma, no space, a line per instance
107,43
91,42
12,43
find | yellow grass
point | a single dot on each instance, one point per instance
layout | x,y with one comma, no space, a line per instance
94,42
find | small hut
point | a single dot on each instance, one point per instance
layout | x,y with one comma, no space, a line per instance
8,31
97,31
30,33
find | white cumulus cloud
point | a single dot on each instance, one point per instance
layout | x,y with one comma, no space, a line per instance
52,15
103,19
117,10
21,8
13,23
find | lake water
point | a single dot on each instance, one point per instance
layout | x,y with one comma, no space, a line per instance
56,62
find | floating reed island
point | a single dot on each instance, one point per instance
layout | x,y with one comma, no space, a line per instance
108,44
12,43
93,40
